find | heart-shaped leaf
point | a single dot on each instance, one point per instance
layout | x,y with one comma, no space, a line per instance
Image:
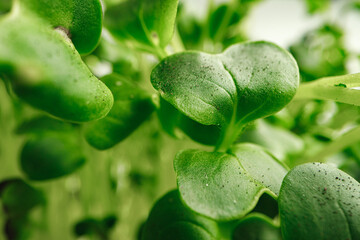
132,106
257,227
47,72
170,219
80,19
245,82
51,156
318,201
147,22
225,187
18,197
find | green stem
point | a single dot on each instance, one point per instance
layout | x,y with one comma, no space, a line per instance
177,42
219,35
228,137
337,145
345,89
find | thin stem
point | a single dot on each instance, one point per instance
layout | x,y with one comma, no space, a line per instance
177,42
225,21
228,137
345,89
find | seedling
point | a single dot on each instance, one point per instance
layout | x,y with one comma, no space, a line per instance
261,122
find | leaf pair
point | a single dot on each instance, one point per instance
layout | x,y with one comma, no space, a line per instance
245,82
316,201
38,56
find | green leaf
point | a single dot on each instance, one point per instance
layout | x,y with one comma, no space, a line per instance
315,6
80,19
147,22
170,219
318,201
261,165
257,227
18,228
224,187
245,82
172,121
51,156
18,197
47,72
132,106
321,52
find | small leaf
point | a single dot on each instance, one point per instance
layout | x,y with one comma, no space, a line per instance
80,19
170,219
51,156
47,72
321,52
223,187
17,228
18,197
245,82
318,201
148,22
132,106
256,227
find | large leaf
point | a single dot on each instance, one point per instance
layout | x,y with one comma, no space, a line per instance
225,187
170,219
51,156
318,201
148,22
47,72
132,106
80,19
245,82
18,197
